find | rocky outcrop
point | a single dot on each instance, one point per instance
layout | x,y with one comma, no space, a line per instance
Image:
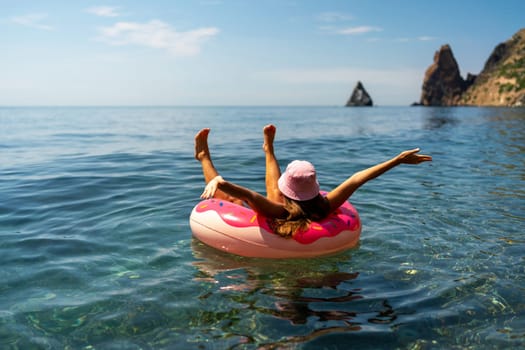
443,84
359,97
500,83
502,80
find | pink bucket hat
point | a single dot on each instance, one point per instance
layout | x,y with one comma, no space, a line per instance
299,181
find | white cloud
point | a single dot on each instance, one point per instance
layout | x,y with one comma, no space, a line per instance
33,20
159,35
104,11
211,2
331,17
420,38
426,38
358,30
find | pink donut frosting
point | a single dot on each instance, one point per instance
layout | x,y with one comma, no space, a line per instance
345,218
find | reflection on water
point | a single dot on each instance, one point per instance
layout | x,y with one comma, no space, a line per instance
437,118
313,294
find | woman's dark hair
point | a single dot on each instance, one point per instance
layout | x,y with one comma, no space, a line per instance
300,215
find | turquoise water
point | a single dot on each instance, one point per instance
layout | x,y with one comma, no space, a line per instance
96,250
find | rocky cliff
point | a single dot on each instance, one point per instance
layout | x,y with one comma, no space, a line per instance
443,84
502,80
500,83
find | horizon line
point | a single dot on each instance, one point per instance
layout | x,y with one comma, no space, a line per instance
195,106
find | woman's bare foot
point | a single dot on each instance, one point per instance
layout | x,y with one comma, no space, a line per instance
201,145
269,135
202,154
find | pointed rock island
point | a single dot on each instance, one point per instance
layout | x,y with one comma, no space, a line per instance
359,97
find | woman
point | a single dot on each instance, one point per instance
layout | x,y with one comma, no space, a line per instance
293,199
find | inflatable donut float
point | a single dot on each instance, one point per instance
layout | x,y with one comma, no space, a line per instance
239,230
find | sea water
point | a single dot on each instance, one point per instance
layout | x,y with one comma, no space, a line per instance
96,250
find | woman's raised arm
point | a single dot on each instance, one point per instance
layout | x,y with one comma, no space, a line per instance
342,192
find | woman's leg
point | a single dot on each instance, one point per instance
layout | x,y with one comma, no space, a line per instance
273,172
202,154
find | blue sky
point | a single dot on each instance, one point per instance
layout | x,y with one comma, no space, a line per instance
233,52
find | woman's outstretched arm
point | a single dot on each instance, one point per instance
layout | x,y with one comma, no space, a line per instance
342,192
259,203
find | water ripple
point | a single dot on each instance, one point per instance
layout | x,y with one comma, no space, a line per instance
96,249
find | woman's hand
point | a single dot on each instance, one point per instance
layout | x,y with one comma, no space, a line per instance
211,187
411,157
